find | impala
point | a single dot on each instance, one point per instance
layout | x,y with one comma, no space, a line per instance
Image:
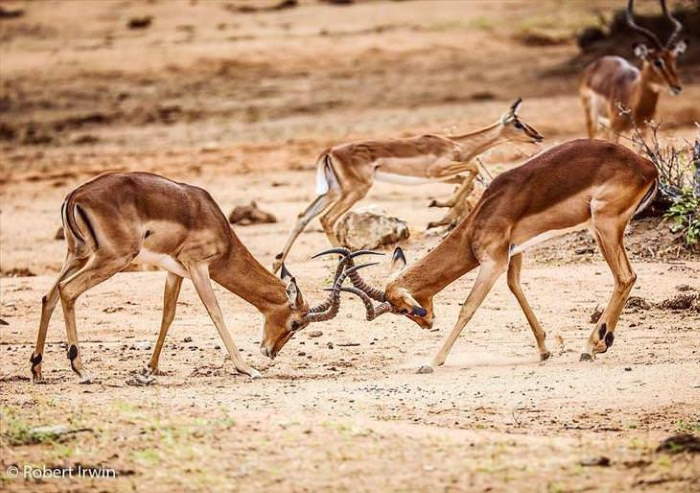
618,95
116,219
580,184
346,172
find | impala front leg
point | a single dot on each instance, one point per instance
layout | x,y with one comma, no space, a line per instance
202,283
488,273
172,290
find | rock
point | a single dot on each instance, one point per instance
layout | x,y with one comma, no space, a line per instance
187,339
315,333
245,215
60,234
689,301
595,316
370,228
682,442
637,302
140,22
600,461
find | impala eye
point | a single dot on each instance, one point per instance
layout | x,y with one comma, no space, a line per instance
658,63
518,125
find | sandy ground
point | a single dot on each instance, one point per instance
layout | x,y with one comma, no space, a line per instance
227,109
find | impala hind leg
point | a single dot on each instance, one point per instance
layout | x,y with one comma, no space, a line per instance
320,204
590,115
609,233
488,274
48,304
514,268
460,206
99,268
202,283
340,207
172,290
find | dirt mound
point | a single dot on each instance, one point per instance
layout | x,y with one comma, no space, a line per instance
683,301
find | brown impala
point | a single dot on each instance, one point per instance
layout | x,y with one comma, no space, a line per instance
618,95
580,184
346,172
117,219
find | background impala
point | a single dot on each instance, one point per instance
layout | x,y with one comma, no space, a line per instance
240,103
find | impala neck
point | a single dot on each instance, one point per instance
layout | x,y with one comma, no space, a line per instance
474,143
645,96
445,263
240,273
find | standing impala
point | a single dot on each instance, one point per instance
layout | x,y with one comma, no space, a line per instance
119,218
580,184
618,95
346,172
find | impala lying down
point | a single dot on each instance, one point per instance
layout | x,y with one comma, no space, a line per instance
116,219
580,184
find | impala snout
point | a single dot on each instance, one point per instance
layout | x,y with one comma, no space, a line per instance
676,90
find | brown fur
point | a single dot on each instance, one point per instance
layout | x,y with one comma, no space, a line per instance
580,182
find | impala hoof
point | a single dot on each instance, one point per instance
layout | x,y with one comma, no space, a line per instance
586,357
86,379
425,369
254,374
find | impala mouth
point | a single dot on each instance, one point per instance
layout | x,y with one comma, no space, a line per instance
675,90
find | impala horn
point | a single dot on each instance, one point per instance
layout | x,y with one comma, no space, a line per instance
372,311
677,26
329,308
642,30
357,281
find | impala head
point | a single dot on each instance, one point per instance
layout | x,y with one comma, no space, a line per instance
395,298
285,320
514,129
659,59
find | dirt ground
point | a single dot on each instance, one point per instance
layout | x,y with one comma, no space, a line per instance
241,104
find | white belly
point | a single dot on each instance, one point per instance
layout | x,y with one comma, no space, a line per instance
402,179
515,249
161,260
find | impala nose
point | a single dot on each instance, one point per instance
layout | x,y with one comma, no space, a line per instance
676,89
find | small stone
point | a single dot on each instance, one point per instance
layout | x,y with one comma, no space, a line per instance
187,339
315,333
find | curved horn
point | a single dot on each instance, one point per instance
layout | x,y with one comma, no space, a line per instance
677,26
514,106
316,314
357,281
641,30
346,260
372,311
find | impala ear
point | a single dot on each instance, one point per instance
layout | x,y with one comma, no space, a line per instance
641,50
516,106
294,294
285,275
680,47
398,261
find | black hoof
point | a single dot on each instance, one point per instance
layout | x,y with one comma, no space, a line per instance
586,357
609,339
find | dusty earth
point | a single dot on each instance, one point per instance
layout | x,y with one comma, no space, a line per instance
241,103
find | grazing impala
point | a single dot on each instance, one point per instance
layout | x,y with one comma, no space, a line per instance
580,184
619,95
346,172
119,218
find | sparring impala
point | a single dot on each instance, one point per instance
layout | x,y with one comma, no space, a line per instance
618,95
580,184
117,219
345,173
